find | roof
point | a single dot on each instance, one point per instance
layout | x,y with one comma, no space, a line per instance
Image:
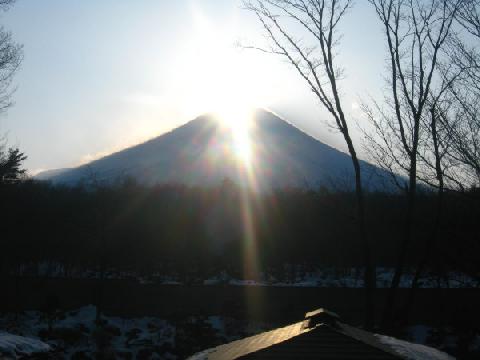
319,336
323,313
252,344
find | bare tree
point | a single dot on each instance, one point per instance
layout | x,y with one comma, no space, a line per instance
459,123
464,131
6,4
450,154
11,55
463,120
10,59
314,59
469,17
434,164
415,33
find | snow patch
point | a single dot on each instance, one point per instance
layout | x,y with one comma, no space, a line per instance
412,351
15,346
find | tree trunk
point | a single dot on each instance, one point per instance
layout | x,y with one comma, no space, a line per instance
370,273
431,241
388,315
429,249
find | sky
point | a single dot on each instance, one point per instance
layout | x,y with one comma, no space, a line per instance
99,76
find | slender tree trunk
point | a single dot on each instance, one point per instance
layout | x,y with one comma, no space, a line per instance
388,315
17,294
370,273
102,233
101,281
431,241
429,249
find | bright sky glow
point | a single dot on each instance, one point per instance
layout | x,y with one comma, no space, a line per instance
100,76
222,77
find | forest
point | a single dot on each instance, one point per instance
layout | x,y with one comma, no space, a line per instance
191,233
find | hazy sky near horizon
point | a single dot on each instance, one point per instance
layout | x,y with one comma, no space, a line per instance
99,76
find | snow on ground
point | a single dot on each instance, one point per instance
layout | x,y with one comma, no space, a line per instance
413,351
293,275
15,346
74,334
347,278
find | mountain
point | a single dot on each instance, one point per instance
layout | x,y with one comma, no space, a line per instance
204,152
50,174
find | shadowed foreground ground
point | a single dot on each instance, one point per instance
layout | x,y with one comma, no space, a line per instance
435,307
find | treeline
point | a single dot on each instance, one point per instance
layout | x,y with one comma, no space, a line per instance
190,232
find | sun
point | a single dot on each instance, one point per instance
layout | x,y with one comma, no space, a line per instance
212,74
238,120
242,145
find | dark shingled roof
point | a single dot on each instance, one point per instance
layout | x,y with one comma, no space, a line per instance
319,336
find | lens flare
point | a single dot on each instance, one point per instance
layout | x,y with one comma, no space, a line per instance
239,122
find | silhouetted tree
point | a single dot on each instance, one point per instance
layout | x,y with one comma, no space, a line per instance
10,58
11,55
462,118
11,165
434,157
415,32
452,146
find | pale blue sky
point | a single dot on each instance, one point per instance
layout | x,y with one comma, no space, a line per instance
102,75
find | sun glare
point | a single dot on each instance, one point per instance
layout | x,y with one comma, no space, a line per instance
211,73
242,145
238,120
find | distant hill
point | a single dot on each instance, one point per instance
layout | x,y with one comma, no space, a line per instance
50,174
202,152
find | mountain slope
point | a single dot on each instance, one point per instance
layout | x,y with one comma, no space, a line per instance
203,152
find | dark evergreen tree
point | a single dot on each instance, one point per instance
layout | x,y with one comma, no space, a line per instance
11,165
